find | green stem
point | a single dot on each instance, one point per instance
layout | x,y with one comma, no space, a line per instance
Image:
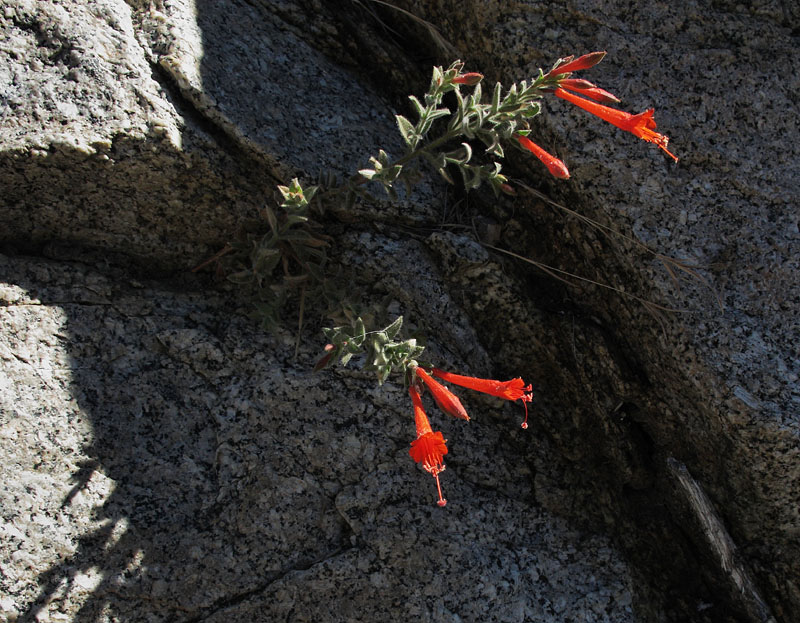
358,180
523,98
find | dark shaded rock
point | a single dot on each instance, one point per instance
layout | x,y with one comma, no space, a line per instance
714,388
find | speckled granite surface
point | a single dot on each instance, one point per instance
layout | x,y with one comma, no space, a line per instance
719,388
165,461
158,131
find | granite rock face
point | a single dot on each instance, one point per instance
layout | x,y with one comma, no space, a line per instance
163,459
717,390
151,130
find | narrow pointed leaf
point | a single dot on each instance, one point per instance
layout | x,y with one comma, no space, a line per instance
393,329
418,107
406,129
271,219
498,88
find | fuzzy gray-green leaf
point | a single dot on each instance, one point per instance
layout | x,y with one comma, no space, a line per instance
418,107
393,329
406,128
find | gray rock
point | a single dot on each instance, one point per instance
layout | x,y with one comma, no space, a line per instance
164,460
157,132
717,389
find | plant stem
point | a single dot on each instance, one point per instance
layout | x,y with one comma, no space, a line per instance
358,179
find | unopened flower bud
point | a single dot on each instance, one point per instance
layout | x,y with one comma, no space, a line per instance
584,87
582,62
576,84
470,79
556,167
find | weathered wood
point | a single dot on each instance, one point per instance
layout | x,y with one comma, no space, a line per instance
710,535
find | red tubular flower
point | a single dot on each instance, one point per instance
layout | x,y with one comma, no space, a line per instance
556,167
515,389
470,79
584,87
582,62
446,400
641,125
429,447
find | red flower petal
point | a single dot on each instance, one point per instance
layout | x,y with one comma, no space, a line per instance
429,450
641,125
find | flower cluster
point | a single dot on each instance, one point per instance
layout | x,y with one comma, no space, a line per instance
455,106
430,447
384,352
591,98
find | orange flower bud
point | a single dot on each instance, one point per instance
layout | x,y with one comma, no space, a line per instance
446,400
589,90
556,167
582,62
470,79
